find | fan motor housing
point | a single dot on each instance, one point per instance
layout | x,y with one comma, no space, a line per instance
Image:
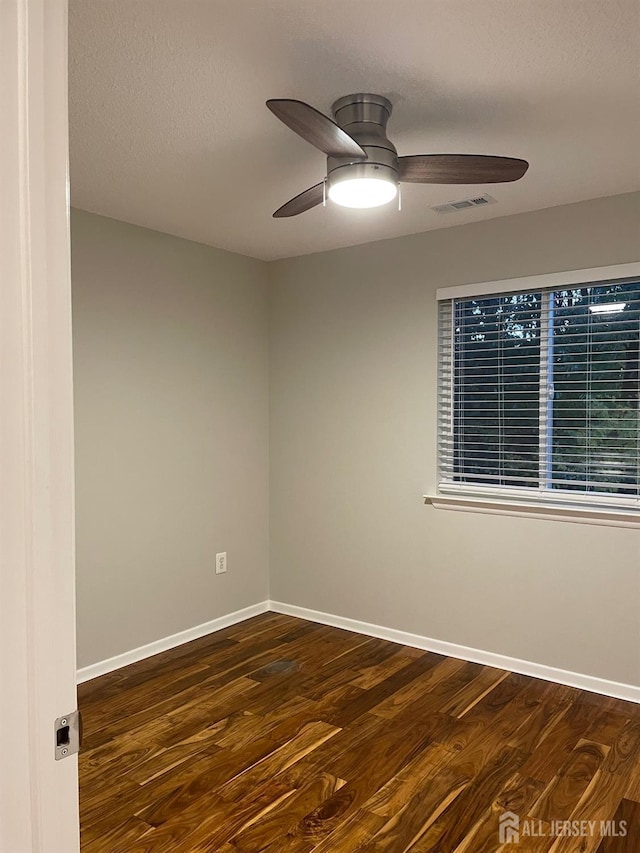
364,117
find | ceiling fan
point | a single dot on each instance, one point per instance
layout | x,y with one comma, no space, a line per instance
363,167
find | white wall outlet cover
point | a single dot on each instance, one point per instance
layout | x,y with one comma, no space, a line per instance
221,563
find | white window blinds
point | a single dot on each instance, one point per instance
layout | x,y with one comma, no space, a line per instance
539,394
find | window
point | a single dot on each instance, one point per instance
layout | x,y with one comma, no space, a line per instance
539,392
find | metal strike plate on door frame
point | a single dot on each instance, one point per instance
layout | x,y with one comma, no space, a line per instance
68,735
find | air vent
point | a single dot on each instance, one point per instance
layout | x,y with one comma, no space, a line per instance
464,204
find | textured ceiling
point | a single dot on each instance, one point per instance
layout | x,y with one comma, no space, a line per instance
169,129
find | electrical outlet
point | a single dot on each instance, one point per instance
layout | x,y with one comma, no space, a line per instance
221,563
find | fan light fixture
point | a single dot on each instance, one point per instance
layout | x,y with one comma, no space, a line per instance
363,167
608,307
363,192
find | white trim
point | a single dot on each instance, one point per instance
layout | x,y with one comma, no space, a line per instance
162,645
547,512
536,670
39,799
565,278
628,692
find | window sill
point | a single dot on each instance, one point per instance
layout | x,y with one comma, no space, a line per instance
548,512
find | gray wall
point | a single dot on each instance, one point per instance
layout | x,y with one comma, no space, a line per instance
172,443
171,406
353,396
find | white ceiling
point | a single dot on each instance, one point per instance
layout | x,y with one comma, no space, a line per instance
169,129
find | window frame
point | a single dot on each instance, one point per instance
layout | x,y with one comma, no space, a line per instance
518,500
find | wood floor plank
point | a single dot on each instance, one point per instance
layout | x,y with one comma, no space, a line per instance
103,730
625,749
140,671
282,736
116,839
241,771
633,788
563,793
555,749
413,806
207,826
398,791
598,804
608,727
550,713
208,706
99,815
369,745
114,759
307,740
372,675
625,833
458,820
447,676
241,727
370,653
166,758
365,771
278,829
241,802
143,699
516,797
274,623
348,836
473,692
502,696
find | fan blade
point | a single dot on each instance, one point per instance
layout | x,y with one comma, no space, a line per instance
460,169
316,128
305,201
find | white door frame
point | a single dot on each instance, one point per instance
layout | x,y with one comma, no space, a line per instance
38,795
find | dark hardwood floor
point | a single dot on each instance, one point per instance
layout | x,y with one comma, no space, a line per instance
284,736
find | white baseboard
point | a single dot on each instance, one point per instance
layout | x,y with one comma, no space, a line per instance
111,664
535,670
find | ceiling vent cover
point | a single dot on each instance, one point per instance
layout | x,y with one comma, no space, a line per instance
464,204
